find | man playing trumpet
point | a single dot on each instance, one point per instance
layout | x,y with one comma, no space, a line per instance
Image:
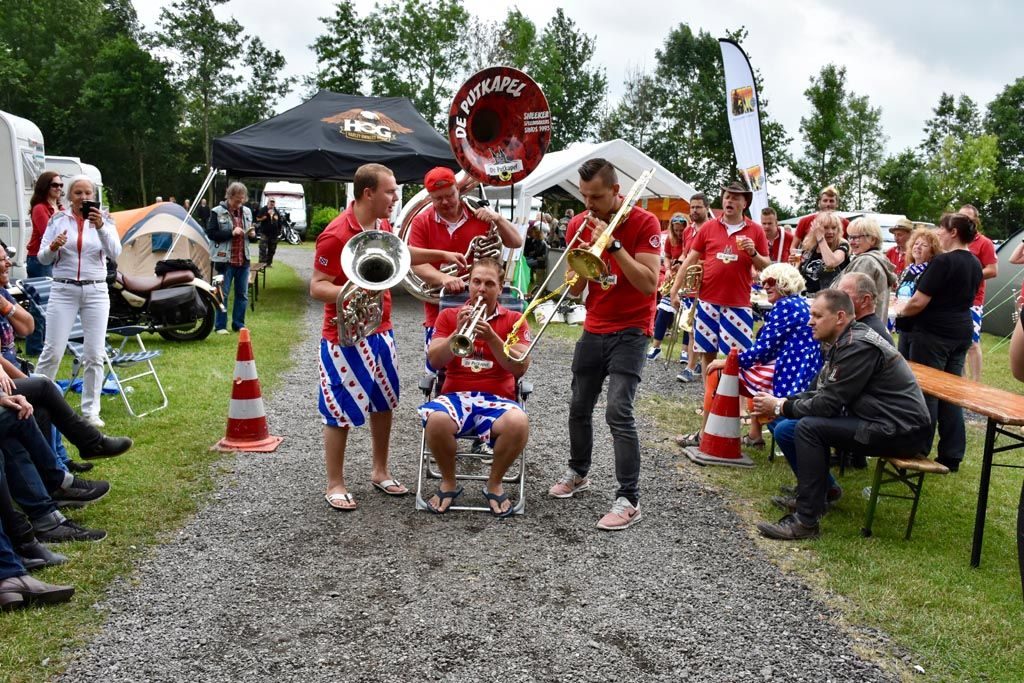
479,393
620,314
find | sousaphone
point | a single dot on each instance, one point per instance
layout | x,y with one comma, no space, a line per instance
499,127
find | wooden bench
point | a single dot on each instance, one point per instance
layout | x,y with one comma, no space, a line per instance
1000,408
908,471
254,282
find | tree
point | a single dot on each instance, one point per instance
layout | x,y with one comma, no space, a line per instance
418,52
867,145
636,118
206,50
1004,120
574,90
827,149
339,53
963,171
950,118
130,98
903,185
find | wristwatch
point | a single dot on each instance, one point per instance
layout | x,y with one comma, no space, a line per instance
613,247
778,407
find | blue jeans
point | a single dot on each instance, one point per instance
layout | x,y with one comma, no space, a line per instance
34,341
239,277
620,357
10,565
29,464
784,431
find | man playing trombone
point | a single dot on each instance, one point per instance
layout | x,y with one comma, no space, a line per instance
479,393
620,313
448,225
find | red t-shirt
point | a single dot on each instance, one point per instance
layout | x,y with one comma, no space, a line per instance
985,252
430,231
328,261
41,214
671,253
804,226
480,371
726,279
898,258
622,305
774,253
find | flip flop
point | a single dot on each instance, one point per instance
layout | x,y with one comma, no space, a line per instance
390,483
341,501
498,498
687,440
442,495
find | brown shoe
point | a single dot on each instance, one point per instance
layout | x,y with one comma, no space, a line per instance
17,591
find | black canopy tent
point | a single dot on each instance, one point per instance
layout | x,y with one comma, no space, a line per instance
330,135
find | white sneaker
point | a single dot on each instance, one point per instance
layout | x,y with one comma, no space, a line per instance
95,421
222,331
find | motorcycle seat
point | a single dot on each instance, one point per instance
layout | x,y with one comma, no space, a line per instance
141,284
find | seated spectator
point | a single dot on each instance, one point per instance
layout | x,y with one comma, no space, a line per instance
865,238
479,393
922,246
825,253
784,358
535,251
861,291
942,326
18,589
864,399
18,528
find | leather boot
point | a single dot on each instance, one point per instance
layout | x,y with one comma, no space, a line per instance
107,447
31,591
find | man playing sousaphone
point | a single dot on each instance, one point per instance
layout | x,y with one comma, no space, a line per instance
620,314
449,225
479,393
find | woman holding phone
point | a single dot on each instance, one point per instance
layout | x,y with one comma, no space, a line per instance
77,242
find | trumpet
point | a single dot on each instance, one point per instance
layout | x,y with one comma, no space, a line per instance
691,283
461,343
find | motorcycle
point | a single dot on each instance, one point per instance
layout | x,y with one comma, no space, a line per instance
288,231
177,304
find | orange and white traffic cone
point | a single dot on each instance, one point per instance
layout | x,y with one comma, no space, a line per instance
247,418
720,442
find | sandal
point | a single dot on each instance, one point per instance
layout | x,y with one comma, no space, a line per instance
688,440
747,441
390,484
498,498
341,501
441,497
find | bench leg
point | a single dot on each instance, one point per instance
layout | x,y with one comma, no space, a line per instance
916,488
869,516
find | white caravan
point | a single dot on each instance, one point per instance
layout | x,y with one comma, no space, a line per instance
72,166
22,159
290,197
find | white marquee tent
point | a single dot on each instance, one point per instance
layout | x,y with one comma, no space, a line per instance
559,170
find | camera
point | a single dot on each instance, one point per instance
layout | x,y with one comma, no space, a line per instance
88,206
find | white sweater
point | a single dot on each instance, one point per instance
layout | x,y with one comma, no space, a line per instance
82,256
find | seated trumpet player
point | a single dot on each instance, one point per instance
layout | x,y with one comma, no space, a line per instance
448,225
478,397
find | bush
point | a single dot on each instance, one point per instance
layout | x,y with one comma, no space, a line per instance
322,215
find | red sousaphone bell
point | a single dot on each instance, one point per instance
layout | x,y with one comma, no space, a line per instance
499,125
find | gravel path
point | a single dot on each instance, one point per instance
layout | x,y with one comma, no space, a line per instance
267,584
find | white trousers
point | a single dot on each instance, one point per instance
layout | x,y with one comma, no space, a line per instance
92,303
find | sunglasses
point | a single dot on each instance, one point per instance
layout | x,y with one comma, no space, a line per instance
57,186
769,282
677,221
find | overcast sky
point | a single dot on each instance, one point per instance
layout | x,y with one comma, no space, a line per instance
901,54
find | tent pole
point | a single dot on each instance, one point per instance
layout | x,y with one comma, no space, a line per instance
195,203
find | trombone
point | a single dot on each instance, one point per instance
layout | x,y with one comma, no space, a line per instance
586,263
461,343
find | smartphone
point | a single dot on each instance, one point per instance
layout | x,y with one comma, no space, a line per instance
88,206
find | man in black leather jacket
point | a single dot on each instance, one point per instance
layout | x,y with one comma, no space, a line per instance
864,399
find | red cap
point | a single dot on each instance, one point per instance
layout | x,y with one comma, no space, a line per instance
439,178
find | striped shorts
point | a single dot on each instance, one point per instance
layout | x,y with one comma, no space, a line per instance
977,313
358,380
722,328
474,412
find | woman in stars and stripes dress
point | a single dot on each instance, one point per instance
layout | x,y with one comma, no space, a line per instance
785,358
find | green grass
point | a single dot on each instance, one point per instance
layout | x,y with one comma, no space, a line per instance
159,483
956,622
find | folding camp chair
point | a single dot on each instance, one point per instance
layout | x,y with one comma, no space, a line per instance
37,290
468,466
